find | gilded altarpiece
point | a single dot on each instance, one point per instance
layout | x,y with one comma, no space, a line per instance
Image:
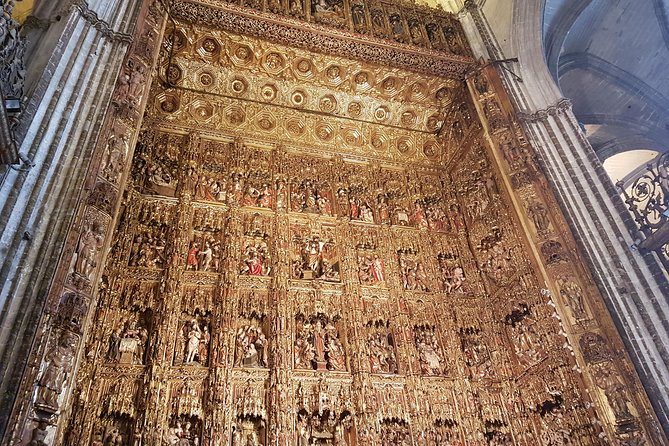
319,250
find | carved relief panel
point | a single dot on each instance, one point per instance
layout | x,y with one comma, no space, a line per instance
322,252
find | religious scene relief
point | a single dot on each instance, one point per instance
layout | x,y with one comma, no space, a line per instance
320,249
317,343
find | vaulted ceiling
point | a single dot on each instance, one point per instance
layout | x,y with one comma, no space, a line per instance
611,58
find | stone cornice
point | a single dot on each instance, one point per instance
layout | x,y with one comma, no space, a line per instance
102,26
561,106
320,38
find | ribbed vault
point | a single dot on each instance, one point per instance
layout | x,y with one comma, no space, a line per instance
611,58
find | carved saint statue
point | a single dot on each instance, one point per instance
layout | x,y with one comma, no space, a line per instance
193,341
115,156
59,363
88,249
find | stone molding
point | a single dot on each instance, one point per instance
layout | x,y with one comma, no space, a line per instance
102,26
562,106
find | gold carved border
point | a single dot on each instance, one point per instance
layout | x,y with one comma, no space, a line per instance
320,39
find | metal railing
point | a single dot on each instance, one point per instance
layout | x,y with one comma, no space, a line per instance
648,201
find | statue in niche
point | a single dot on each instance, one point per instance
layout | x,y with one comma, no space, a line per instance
371,269
455,216
275,5
113,437
204,255
203,348
451,36
296,8
281,197
381,345
498,266
436,218
412,272
395,432
452,275
195,339
615,392
208,189
396,25
475,352
433,35
266,198
328,7
127,343
39,434
378,20
308,196
416,32
523,330
115,156
365,213
148,250
251,347
130,86
431,362
572,294
418,217
183,431
161,180
59,364
358,16
383,209
317,345
88,249
539,215
236,189
303,435
256,261
316,259
191,259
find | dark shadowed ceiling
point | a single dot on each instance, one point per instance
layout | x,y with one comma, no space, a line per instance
611,58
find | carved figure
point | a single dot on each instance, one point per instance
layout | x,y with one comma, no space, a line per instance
205,257
371,270
115,156
193,341
431,362
39,434
52,382
572,293
90,243
539,216
191,260
382,352
256,261
252,347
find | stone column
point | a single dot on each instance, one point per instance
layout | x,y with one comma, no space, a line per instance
634,286
78,57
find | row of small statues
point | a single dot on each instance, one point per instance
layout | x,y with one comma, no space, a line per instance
311,196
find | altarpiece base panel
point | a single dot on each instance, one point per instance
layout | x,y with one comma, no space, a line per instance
311,249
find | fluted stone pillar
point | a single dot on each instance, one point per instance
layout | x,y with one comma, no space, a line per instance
634,286
76,52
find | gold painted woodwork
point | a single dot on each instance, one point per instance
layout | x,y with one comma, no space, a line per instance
478,266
